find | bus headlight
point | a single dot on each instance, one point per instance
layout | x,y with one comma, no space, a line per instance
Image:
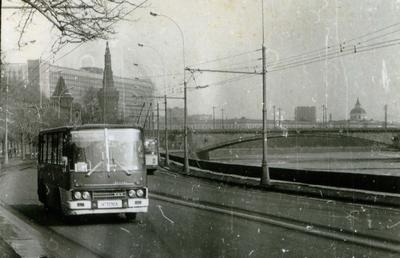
139,193
86,195
77,195
131,193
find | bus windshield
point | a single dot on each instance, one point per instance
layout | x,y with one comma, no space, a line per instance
106,150
150,146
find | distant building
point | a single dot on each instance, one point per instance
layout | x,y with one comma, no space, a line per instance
358,113
305,114
61,98
43,77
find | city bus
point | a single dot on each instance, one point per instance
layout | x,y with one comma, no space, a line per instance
151,153
93,169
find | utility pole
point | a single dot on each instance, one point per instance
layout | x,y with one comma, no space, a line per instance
6,104
386,107
6,125
158,131
222,118
279,117
265,179
213,116
166,131
274,116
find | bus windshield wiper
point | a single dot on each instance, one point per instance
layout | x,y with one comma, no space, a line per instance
123,168
94,168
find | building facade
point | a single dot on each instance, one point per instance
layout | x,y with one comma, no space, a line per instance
305,114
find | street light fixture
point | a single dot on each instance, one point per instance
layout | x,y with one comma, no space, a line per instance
185,131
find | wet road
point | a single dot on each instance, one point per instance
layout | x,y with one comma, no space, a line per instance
213,220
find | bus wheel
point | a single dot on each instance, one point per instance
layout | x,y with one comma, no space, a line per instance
130,216
151,171
41,192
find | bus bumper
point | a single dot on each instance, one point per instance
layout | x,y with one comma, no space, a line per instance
92,207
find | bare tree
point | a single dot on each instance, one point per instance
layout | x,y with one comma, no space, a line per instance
77,21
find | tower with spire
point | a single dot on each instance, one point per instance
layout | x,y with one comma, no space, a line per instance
62,100
108,96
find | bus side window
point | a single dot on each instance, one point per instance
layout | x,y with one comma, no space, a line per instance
49,150
40,152
60,160
44,149
54,149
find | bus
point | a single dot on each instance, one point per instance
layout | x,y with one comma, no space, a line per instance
93,169
151,153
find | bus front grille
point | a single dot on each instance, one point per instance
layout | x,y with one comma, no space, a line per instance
109,195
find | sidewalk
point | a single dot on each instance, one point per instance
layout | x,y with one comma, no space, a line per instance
14,162
10,243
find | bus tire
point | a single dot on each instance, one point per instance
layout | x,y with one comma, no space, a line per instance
42,193
150,171
130,216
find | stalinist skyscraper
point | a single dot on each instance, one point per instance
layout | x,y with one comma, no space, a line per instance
108,96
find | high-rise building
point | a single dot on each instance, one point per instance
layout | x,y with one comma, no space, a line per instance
305,114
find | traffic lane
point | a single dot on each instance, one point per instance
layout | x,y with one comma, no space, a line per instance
200,233
363,219
171,230
106,235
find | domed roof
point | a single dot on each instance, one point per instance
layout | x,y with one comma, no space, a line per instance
358,109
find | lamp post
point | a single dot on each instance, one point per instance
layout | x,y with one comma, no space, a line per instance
213,117
265,178
165,102
185,132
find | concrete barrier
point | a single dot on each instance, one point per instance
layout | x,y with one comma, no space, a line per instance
355,181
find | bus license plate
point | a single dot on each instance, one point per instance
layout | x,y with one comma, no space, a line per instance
109,204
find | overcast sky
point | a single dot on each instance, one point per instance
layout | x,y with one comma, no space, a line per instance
226,28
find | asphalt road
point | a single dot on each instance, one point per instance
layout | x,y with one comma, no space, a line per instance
194,218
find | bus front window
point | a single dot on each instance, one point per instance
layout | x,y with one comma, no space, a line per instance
108,150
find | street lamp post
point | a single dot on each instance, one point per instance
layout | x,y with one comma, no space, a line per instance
165,102
185,129
213,116
265,178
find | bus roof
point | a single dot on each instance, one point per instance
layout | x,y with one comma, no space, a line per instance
87,126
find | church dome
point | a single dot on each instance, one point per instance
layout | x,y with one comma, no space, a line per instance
358,113
358,110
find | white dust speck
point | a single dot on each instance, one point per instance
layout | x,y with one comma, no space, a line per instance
124,229
394,225
162,213
369,223
251,252
285,250
385,77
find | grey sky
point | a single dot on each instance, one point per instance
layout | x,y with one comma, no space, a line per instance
214,29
